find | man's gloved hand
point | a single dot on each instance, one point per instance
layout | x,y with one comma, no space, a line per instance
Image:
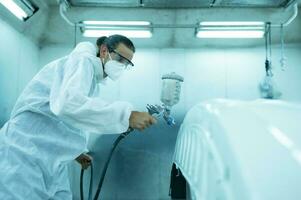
141,120
84,160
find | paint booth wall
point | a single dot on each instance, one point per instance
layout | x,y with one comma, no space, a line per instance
209,73
19,62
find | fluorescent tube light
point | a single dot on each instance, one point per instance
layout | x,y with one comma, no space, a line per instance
14,8
127,33
231,28
230,34
130,23
228,29
234,23
22,9
132,29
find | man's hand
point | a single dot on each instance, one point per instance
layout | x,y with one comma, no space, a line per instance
84,160
141,120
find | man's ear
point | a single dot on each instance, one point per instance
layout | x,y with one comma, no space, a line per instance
103,51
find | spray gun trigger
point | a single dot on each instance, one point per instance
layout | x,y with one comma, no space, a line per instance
154,109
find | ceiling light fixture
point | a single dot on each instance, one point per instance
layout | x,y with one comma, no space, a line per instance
22,9
230,30
131,29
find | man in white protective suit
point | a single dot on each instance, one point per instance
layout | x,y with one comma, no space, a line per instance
51,119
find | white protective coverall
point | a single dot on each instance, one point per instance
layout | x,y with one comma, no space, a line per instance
49,125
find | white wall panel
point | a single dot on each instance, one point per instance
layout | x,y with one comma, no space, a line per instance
18,64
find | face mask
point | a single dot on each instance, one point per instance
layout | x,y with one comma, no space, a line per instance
114,69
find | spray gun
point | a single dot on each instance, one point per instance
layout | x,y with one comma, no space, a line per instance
170,95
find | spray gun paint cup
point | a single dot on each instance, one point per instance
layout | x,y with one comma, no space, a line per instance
170,94
171,89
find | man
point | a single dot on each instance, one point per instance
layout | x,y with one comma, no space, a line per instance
49,124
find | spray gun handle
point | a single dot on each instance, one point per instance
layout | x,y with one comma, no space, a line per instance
151,110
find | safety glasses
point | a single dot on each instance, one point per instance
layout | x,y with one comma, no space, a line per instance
120,58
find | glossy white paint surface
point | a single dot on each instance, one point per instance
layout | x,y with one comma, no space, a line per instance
237,150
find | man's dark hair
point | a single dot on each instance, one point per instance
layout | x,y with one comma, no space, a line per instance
112,42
